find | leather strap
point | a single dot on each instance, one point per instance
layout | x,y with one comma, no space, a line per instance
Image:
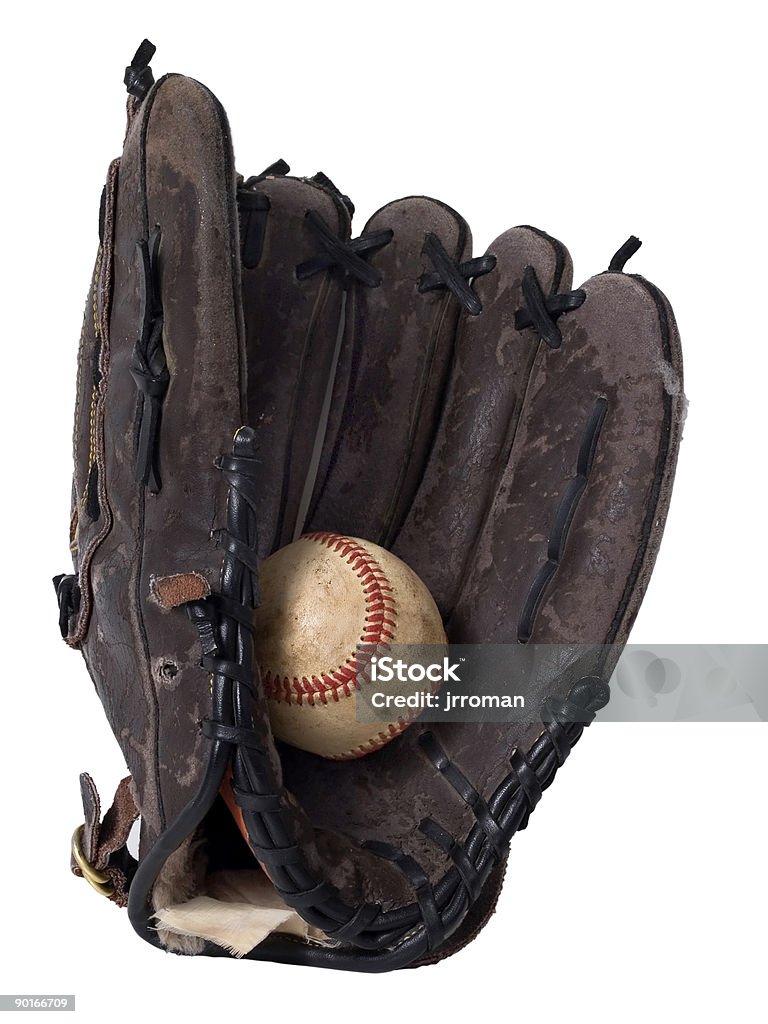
103,841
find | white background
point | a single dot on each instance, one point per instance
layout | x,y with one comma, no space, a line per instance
639,890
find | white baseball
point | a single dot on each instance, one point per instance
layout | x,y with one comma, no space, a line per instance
321,597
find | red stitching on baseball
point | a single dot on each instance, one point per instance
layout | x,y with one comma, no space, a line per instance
381,611
376,742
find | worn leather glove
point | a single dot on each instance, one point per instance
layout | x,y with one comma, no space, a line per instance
248,370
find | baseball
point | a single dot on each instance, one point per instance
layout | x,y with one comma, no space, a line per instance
321,597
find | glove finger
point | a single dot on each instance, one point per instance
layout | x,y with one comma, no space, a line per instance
290,350
576,522
176,329
489,375
391,374
190,185
190,202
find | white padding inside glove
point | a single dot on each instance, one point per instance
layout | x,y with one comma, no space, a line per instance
239,910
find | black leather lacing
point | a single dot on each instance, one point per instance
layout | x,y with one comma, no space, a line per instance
461,784
561,524
253,207
586,698
527,780
510,806
419,881
102,215
138,77
623,253
322,179
456,277
148,366
204,619
541,311
253,781
229,644
68,595
348,256
403,934
240,470
449,844
230,733
497,819
278,169
92,501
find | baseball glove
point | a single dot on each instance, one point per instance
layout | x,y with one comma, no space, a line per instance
248,371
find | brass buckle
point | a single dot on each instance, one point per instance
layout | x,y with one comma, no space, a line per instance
100,881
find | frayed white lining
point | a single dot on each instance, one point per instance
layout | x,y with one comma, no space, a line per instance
239,910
